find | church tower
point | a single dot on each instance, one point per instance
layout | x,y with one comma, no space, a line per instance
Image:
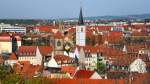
81,31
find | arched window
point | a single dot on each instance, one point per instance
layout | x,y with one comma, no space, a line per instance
81,29
58,43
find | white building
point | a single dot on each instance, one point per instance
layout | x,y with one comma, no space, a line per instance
10,28
34,54
5,43
138,66
31,54
53,63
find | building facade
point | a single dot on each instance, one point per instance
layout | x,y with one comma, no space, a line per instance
10,28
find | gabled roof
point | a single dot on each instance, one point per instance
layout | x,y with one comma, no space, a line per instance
62,59
45,50
83,74
53,63
69,69
12,57
71,30
4,34
5,37
114,37
31,50
27,51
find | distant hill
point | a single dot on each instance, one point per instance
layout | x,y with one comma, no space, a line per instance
140,16
125,17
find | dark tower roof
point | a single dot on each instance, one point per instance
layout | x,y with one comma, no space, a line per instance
81,22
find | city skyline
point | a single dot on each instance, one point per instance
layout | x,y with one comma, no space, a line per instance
47,9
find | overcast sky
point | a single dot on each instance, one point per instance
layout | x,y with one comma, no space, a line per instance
27,9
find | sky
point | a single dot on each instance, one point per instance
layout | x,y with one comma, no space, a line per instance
47,9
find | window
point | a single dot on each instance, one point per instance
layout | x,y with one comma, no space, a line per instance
81,29
58,43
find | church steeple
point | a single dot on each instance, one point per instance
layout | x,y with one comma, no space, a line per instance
81,31
81,22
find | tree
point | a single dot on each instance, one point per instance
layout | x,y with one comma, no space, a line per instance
38,81
101,68
67,47
4,71
13,79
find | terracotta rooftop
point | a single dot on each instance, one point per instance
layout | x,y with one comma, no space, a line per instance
62,59
5,37
69,69
12,57
88,81
83,74
45,28
58,35
31,50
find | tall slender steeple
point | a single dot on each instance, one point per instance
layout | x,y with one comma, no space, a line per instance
81,21
81,31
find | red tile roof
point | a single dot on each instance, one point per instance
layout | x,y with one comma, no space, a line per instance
45,50
72,30
12,57
27,51
128,59
114,37
107,52
4,34
58,35
135,33
134,48
69,69
88,81
45,28
62,59
138,78
5,37
31,50
83,74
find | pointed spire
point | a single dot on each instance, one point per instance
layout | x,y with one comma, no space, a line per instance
81,22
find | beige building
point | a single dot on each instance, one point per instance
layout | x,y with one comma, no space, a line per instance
5,43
